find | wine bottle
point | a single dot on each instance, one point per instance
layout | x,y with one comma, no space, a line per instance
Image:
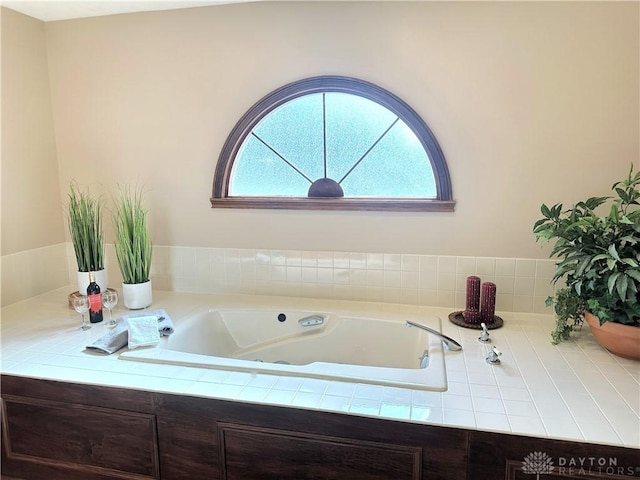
95,300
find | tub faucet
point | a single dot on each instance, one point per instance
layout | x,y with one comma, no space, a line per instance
450,343
484,336
424,359
492,357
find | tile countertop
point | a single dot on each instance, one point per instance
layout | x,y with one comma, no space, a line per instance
576,390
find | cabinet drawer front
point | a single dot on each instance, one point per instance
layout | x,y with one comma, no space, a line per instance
103,441
262,453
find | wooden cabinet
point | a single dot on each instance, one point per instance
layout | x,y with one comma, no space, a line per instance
53,430
290,455
89,440
512,457
231,440
63,431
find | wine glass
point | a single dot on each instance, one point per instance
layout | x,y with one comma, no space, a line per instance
110,300
81,305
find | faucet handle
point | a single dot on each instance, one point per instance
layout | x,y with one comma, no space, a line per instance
484,336
492,357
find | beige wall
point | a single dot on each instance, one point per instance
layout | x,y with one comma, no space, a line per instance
33,249
530,102
31,203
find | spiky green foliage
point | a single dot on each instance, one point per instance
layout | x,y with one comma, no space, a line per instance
132,241
599,255
84,215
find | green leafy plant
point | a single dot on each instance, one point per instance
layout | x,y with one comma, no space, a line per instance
569,309
599,257
84,215
132,240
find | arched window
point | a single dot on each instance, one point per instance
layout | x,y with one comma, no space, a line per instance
333,143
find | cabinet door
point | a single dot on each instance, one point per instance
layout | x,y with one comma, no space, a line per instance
265,453
217,439
581,468
524,458
48,439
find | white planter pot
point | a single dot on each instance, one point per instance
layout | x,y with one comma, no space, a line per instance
137,295
83,281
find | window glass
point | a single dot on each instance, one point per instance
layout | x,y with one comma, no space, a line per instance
365,148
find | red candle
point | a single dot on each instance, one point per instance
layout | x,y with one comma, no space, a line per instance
488,302
471,315
473,293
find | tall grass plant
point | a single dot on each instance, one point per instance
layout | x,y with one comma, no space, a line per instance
84,215
132,240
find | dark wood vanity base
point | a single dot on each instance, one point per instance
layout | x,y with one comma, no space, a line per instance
55,430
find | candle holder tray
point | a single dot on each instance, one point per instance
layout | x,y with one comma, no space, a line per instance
458,319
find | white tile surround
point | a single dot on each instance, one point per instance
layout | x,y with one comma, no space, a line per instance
575,390
522,284
33,272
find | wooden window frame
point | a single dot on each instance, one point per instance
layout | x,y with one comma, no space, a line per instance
443,202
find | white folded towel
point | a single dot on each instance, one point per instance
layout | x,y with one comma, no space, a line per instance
143,331
119,335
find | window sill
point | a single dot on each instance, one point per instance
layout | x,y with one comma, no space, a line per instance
367,204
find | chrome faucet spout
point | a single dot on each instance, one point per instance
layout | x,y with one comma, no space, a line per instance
450,343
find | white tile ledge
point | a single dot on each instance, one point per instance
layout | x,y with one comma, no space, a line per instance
574,391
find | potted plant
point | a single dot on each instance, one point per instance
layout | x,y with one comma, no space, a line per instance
133,248
84,215
599,259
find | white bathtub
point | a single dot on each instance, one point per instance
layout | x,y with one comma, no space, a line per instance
348,346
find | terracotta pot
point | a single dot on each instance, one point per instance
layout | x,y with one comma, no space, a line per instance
619,339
